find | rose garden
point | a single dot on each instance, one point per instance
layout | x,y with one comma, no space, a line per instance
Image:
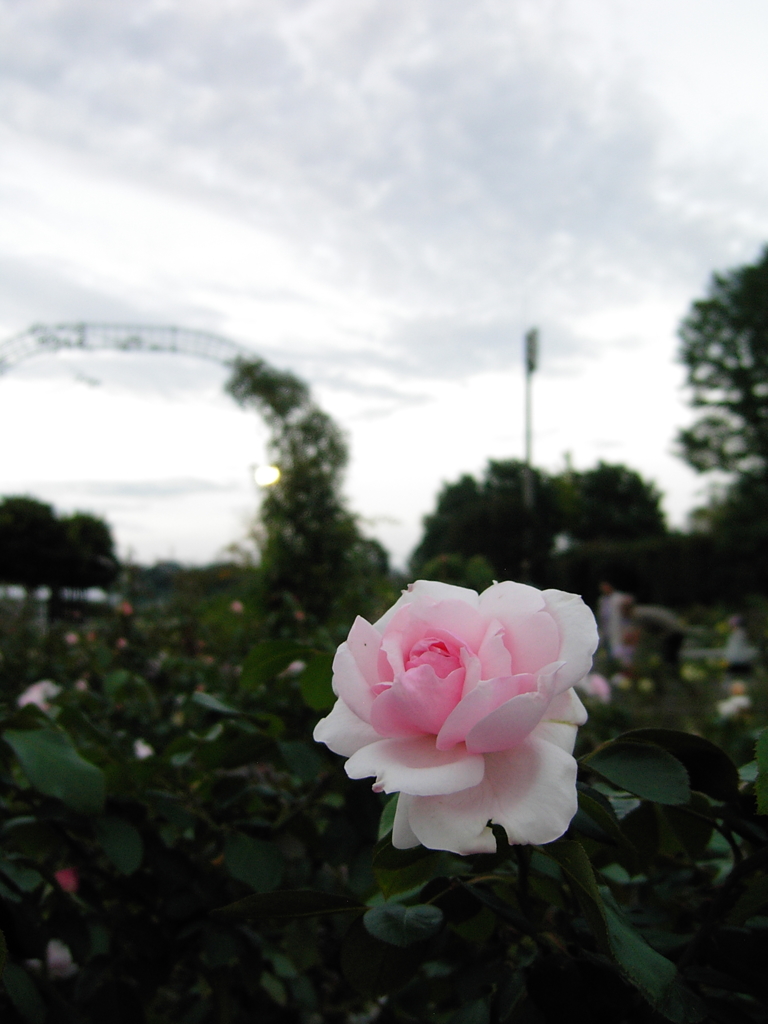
308,788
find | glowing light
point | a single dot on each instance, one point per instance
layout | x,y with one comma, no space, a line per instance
266,476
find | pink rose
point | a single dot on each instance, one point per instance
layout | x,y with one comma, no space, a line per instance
595,685
464,704
68,879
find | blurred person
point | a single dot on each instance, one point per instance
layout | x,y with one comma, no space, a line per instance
659,623
739,654
612,620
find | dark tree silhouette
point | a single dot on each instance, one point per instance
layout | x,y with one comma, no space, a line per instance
609,503
725,350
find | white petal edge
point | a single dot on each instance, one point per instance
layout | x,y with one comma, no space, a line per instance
578,635
403,836
530,791
416,767
344,732
431,590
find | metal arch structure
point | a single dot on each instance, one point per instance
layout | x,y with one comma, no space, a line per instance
42,339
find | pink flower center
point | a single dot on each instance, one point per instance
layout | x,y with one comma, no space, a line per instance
441,656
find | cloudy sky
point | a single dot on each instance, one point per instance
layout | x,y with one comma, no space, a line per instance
381,196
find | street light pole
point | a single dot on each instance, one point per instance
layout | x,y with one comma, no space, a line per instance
531,361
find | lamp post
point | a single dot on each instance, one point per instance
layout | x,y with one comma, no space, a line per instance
531,361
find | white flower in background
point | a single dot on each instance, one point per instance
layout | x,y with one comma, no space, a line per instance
141,749
39,693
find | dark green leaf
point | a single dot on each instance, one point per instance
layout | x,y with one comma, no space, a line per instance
23,994
3,952
575,863
121,842
267,660
26,879
303,760
761,783
401,870
644,769
256,862
750,902
315,682
476,1012
290,903
709,768
211,703
373,967
54,767
402,926
387,819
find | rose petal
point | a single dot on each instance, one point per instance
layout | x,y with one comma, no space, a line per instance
487,696
343,731
509,724
350,684
417,702
415,766
364,642
510,600
560,723
495,659
403,837
427,589
530,791
578,632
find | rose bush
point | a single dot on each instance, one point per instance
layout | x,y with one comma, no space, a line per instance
464,705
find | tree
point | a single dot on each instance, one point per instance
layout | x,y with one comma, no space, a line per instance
312,551
489,517
609,503
725,349
37,548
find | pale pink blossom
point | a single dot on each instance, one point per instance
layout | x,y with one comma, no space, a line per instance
125,608
71,639
595,685
58,961
142,749
40,693
464,704
81,685
121,644
236,607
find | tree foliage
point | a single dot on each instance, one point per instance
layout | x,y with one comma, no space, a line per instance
489,519
313,553
725,350
39,548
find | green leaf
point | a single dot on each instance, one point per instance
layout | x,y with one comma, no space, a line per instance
401,870
750,902
23,994
575,863
211,703
651,973
55,768
597,808
402,926
268,659
373,967
256,862
315,682
26,879
387,819
761,783
121,842
642,769
476,1012
710,769
290,903
303,760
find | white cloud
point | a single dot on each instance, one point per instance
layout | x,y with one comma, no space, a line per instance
381,196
